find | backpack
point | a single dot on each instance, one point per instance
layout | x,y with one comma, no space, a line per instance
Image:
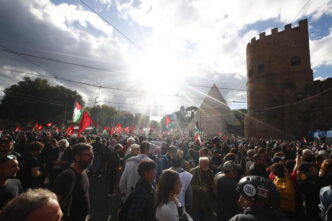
124,207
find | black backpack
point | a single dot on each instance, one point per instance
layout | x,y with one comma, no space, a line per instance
124,206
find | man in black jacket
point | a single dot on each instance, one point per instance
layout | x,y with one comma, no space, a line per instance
142,201
260,199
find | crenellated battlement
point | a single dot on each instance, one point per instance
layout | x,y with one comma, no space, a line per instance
303,24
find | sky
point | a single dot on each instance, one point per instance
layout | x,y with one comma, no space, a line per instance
153,55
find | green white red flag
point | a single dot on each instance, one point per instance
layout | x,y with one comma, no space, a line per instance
78,111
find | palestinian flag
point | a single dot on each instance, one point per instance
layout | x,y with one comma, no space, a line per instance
78,111
197,133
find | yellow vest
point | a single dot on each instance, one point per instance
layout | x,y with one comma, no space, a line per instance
287,193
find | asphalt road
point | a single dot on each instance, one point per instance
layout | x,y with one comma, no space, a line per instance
103,207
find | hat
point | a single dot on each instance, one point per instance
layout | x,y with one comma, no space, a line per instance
229,166
277,159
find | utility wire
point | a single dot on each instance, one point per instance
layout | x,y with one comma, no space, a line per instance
108,22
96,68
98,86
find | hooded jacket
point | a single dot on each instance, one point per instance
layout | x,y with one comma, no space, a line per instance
130,174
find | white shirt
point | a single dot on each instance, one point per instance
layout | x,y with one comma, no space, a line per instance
167,212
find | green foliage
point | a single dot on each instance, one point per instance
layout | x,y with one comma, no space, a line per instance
36,100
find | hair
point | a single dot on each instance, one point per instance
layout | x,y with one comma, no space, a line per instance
176,161
326,166
6,139
167,182
257,157
80,148
131,139
320,158
35,146
97,139
145,166
203,159
250,153
63,143
278,170
144,147
19,208
118,146
230,156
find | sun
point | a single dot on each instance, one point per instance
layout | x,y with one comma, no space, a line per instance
157,70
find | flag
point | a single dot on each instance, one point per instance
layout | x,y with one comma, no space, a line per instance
85,122
198,133
70,131
126,129
111,131
167,121
105,130
38,127
18,129
49,124
118,128
57,129
78,110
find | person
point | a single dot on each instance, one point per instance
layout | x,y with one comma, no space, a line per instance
31,174
168,206
33,205
21,144
225,191
185,196
7,145
9,187
259,198
72,185
130,175
325,197
165,161
132,151
309,186
250,160
142,203
286,188
113,167
258,168
98,152
202,186
127,148
57,160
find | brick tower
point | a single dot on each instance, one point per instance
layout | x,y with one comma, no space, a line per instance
279,73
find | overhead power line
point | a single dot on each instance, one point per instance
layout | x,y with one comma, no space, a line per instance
113,26
101,86
18,53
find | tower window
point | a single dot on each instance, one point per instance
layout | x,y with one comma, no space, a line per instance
250,73
261,68
296,61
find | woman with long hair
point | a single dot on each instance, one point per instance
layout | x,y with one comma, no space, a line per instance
168,207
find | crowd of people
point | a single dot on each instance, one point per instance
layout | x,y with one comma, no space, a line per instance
45,175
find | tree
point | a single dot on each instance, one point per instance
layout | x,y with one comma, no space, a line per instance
103,114
38,101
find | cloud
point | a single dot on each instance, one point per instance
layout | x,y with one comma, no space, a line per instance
204,40
321,51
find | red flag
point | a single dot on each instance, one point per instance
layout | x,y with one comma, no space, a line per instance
111,131
118,128
70,131
126,129
49,124
18,129
40,127
105,128
85,122
131,129
57,129
167,120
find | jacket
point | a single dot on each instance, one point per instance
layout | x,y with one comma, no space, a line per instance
260,214
130,174
142,206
